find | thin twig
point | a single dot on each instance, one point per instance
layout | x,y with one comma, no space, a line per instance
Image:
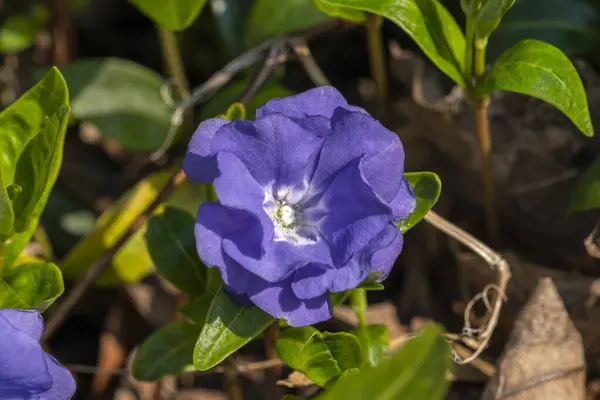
101,265
310,65
277,56
219,79
495,261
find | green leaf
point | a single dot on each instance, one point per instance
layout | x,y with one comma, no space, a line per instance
133,261
269,18
31,286
31,139
586,195
122,99
327,355
571,25
427,188
197,308
290,343
489,16
7,215
172,246
370,283
221,101
428,23
172,14
374,341
541,70
418,371
37,169
17,33
167,352
228,327
348,14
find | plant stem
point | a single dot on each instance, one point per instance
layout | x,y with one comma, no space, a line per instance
358,299
172,56
377,57
470,32
485,144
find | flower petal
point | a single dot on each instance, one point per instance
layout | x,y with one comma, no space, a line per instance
280,301
29,322
23,370
63,386
357,134
320,101
199,163
378,256
352,213
310,281
274,149
404,203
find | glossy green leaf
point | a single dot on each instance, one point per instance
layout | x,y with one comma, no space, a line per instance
17,33
571,25
290,343
586,195
370,283
489,16
133,261
7,215
428,23
31,137
37,169
122,99
197,308
327,355
374,341
541,70
172,14
270,18
172,246
167,352
31,286
418,371
228,327
348,14
427,188
228,95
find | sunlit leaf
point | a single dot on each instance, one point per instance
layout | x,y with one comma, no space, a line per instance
290,343
428,23
490,15
348,14
427,188
541,70
172,14
31,286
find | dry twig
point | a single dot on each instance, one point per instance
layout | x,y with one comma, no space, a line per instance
495,261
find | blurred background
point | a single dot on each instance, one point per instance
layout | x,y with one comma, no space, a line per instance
122,100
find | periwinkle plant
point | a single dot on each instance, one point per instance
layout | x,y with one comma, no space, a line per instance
308,195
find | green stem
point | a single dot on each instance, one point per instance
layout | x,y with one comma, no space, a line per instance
377,57
358,299
484,138
470,32
173,60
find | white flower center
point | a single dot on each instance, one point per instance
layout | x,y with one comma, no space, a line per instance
284,207
287,215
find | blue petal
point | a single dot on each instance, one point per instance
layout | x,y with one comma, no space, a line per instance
280,301
320,101
23,369
29,322
199,163
353,214
310,281
63,386
378,256
357,134
404,203
274,149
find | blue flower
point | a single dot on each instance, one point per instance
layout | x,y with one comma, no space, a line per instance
308,196
26,371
